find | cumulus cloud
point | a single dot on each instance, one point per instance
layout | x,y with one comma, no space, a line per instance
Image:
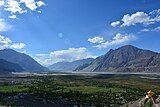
139,18
4,26
117,40
2,3
31,4
4,42
18,46
96,39
13,17
114,24
13,6
70,54
20,6
39,11
40,3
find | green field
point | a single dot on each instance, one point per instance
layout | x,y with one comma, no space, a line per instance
100,90
13,88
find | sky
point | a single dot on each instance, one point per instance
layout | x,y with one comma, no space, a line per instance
52,31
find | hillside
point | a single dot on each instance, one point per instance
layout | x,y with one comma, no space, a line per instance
126,59
25,61
8,67
142,103
63,66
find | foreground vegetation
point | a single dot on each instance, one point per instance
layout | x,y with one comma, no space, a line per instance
101,90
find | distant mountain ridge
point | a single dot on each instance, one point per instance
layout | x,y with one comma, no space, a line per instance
69,66
126,59
8,67
25,61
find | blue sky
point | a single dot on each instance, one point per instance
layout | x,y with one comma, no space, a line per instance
67,30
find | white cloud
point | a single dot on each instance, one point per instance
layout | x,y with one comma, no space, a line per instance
13,17
4,42
155,12
32,4
145,30
70,54
139,18
13,6
40,3
44,59
117,40
96,39
157,29
23,52
4,26
39,11
18,46
2,3
114,24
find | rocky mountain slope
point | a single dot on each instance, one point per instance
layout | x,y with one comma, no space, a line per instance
142,103
64,66
25,61
126,59
8,67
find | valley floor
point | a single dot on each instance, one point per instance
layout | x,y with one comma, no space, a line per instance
110,90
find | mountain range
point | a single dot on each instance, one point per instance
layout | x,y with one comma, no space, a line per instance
24,61
125,59
70,66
